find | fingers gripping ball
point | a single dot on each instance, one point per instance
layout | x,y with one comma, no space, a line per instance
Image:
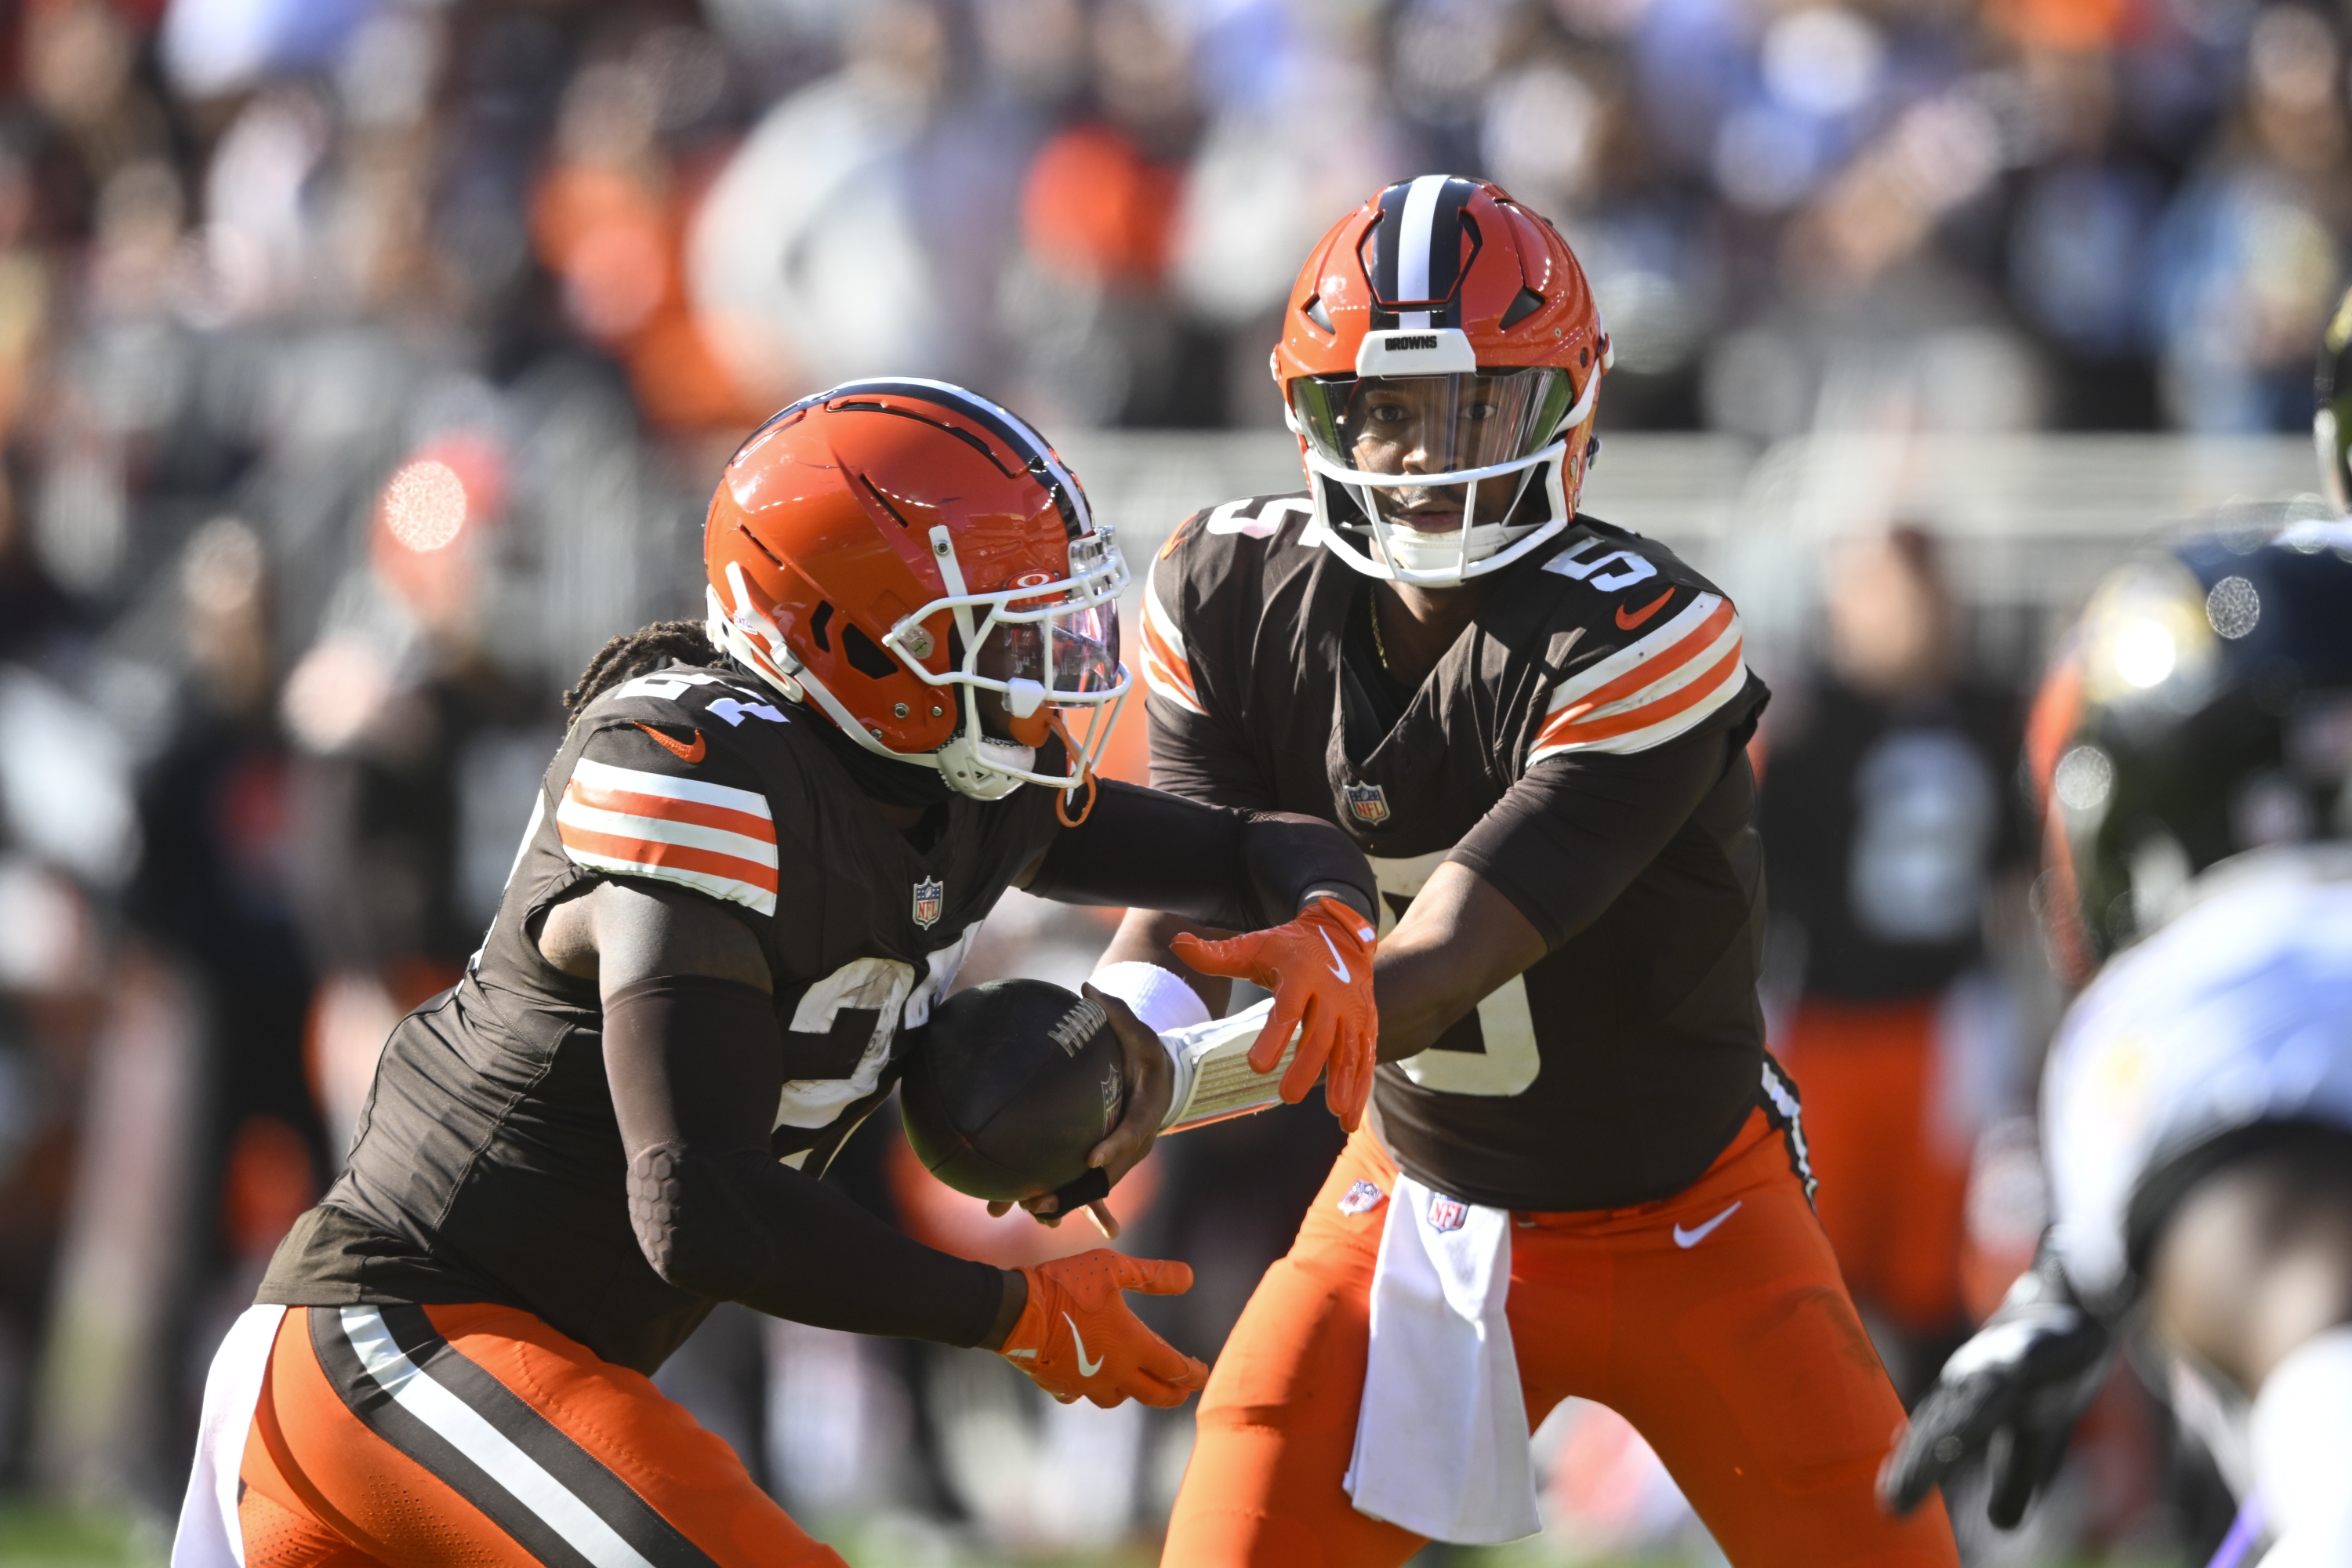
1076,1337
1017,1082
1319,968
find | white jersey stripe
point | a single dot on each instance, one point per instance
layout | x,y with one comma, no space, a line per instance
604,776
731,890
1162,680
465,1429
662,830
1625,660
1657,734
1673,681
1161,621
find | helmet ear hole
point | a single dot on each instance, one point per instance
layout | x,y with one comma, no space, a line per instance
1318,315
865,655
817,623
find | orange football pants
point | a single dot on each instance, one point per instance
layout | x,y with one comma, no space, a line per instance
478,1434
1736,1356
1893,1186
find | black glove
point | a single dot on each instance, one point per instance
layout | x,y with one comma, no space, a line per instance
2013,1392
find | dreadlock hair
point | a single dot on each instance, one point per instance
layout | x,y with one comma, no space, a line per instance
641,652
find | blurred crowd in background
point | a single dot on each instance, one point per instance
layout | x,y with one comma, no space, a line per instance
365,364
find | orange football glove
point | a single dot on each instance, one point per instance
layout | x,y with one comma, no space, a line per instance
1319,968
1075,1308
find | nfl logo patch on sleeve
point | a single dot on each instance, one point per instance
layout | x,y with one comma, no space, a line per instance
1362,1198
1367,804
1446,1214
930,894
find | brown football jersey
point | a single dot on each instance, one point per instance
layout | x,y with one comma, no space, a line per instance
1614,1071
489,1164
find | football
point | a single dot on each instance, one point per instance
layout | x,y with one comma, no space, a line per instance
1016,1081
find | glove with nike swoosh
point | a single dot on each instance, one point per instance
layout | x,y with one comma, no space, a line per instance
1076,1335
2013,1392
1319,968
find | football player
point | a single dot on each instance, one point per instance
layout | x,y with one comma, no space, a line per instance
756,861
1581,1174
2193,750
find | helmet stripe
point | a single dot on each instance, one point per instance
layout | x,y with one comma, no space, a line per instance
1007,426
1417,249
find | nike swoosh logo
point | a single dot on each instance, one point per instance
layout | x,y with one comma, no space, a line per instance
1086,1368
1339,964
1689,1238
685,753
1626,622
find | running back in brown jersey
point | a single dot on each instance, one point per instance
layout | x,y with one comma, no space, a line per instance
501,1182
1604,644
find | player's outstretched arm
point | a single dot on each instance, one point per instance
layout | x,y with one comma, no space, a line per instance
2012,1393
1301,891
695,1066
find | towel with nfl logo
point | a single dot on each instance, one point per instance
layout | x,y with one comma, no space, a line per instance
1442,1442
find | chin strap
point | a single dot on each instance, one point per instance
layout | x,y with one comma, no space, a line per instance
1085,776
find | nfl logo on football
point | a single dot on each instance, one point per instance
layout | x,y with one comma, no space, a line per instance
1446,1214
928,895
1368,804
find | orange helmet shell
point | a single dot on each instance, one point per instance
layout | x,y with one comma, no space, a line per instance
824,517
1436,253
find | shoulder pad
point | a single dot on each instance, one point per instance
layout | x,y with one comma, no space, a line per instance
670,796
1652,649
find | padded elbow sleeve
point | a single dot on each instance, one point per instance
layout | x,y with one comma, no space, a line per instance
692,1225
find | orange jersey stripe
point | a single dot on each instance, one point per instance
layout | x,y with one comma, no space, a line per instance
1565,728
645,852
1693,643
631,803
1171,664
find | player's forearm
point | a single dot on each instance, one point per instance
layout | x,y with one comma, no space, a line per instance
694,1065
1459,941
1239,870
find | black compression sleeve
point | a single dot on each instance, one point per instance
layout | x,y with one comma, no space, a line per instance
695,1066
1575,829
1243,870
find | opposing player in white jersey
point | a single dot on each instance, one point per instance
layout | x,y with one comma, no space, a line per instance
2193,747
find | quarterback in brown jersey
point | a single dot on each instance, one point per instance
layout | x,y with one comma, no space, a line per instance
1582,1174
757,860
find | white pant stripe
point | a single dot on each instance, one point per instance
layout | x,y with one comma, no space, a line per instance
464,1429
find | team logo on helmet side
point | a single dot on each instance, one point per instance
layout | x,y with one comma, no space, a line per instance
930,894
1368,803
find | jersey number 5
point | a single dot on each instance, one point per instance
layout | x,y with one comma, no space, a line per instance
1510,1061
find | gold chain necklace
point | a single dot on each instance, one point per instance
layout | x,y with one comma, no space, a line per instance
1380,646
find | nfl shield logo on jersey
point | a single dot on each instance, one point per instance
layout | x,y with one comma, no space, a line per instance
1362,1198
928,895
1446,1214
1367,804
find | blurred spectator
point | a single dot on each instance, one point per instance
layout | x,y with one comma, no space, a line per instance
213,888
1890,835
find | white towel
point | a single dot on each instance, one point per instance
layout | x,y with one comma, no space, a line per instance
1442,1442
209,1535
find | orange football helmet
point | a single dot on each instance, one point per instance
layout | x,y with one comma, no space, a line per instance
906,553
1441,352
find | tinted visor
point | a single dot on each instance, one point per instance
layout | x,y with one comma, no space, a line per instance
1431,424
1070,653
